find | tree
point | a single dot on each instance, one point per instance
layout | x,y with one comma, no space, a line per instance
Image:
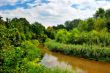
21,24
2,22
1,17
67,25
39,31
83,26
100,13
99,23
37,28
74,35
72,24
62,36
50,31
90,23
108,25
61,26
107,14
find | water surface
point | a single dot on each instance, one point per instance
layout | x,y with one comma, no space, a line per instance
80,65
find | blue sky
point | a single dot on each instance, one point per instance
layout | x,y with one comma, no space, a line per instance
51,12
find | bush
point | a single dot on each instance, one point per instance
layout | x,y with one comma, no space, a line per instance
62,36
30,49
17,59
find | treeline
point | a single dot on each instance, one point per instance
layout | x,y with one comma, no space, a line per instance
23,29
89,38
94,30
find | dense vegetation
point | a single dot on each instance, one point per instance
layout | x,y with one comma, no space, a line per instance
19,52
19,42
89,38
93,52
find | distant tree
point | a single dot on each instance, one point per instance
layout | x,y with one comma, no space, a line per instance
37,28
7,23
2,22
50,31
39,31
69,25
108,25
61,26
99,23
74,23
107,14
90,23
21,23
1,17
83,26
100,13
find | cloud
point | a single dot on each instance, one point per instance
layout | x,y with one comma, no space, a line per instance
53,12
7,2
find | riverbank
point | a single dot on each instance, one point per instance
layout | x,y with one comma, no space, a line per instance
79,65
85,51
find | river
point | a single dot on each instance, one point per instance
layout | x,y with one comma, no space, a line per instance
80,65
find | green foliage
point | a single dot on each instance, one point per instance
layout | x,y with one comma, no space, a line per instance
90,31
83,25
88,38
39,31
99,24
107,14
30,50
21,24
100,13
108,25
62,36
86,51
61,26
51,32
90,23
74,35
69,25
37,28
16,59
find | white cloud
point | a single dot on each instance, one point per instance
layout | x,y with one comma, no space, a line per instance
11,2
57,11
7,2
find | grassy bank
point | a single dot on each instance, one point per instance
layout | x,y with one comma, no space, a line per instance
86,51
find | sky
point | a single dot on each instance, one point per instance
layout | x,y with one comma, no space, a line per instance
51,12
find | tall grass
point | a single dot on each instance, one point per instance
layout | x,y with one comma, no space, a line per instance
86,51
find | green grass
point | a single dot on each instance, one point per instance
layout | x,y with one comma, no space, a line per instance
93,52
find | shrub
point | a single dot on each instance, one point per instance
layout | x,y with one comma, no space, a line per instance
62,36
30,49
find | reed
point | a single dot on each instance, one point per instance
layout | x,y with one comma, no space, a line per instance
93,52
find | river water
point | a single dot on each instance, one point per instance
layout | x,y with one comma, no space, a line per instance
80,65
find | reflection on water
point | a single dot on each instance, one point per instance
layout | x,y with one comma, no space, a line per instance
51,61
